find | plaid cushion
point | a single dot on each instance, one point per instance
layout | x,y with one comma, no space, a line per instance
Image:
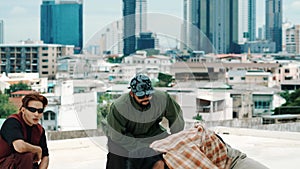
193,148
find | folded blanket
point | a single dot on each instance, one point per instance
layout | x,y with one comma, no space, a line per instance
193,148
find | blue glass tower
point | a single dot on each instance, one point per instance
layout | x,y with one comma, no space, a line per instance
129,27
252,20
274,22
61,23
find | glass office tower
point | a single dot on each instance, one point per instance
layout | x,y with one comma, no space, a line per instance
61,23
129,26
274,23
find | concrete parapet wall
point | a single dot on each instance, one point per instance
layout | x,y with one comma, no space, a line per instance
238,123
258,133
290,127
254,123
60,135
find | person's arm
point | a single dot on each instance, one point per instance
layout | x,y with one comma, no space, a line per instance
45,154
22,147
174,115
159,165
117,129
44,162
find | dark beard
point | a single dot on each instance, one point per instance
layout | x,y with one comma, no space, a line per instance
143,106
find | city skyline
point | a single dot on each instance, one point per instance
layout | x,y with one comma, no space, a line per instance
97,14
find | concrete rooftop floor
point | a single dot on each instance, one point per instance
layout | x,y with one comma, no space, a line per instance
276,150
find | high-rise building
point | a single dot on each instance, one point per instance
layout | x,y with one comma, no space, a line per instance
218,20
243,21
274,22
227,24
184,28
261,33
129,17
141,16
251,19
111,39
145,41
1,31
62,23
285,25
293,39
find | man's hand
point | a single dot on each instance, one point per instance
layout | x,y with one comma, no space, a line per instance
159,165
37,155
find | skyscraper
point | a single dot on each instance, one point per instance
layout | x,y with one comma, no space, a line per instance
61,23
218,20
184,32
1,31
129,17
293,39
252,20
227,24
141,16
243,21
274,23
135,22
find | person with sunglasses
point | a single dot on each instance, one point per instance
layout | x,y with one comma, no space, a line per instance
135,121
23,141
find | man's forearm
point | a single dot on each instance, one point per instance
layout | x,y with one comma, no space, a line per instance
44,163
22,147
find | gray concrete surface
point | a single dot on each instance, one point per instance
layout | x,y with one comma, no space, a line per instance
276,150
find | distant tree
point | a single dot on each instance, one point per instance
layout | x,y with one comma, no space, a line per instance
292,105
198,117
164,80
285,95
104,101
6,107
115,59
17,87
151,52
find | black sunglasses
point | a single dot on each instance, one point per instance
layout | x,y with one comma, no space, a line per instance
33,110
141,97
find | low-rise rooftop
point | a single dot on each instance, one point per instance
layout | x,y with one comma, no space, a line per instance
276,150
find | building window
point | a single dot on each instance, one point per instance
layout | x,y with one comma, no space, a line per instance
243,78
231,78
46,115
52,116
210,69
262,104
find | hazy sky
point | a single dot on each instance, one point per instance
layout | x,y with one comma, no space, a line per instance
22,17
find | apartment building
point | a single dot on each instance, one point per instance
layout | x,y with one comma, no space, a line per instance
29,57
140,63
293,39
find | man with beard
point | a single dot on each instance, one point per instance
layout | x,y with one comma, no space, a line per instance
134,122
